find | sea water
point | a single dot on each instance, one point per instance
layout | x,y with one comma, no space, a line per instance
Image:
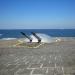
47,35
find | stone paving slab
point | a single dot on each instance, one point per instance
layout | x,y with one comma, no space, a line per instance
22,66
35,65
39,71
23,72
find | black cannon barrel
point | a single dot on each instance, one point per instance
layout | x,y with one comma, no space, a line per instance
39,39
26,36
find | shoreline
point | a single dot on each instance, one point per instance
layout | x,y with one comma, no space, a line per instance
12,42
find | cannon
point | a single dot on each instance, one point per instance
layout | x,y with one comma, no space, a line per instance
30,39
39,39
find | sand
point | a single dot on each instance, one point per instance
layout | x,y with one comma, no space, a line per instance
57,58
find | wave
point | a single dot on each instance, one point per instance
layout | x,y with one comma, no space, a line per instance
8,38
1,34
44,38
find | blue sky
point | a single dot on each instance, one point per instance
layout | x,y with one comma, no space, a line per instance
33,14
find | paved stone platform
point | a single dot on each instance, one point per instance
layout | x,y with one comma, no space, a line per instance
31,65
46,60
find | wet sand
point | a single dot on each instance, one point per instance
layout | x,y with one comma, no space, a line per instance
56,58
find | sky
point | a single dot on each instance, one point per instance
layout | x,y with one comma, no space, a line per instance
37,14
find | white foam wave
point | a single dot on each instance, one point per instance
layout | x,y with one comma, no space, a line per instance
1,34
44,38
8,38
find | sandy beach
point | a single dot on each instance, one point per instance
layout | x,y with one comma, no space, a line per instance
56,58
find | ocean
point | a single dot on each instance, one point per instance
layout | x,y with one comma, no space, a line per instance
15,33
